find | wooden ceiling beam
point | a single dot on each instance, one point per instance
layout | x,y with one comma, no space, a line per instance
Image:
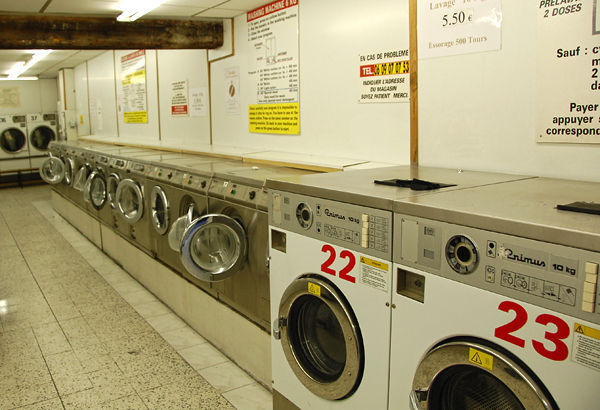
95,33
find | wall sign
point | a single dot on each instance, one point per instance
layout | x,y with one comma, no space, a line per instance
384,77
458,27
568,72
198,101
10,97
232,91
133,82
273,68
179,98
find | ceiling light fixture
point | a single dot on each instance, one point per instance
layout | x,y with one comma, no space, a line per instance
19,78
21,66
134,9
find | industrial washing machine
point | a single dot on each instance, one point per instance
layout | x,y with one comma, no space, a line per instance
495,301
336,228
130,200
95,191
14,148
81,171
42,130
52,169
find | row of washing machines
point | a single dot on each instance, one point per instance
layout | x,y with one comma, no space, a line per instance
434,289
392,288
203,217
24,140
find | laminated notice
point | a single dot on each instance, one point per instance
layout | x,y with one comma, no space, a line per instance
374,273
586,346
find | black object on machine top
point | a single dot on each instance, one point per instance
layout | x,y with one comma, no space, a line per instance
414,184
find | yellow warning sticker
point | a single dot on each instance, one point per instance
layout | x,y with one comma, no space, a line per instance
314,289
81,119
135,117
481,359
587,331
373,263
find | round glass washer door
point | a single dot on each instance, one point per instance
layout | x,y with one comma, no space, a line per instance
41,137
320,337
130,200
12,140
454,376
95,189
112,182
69,168
81,177
159,208
52,170
214,247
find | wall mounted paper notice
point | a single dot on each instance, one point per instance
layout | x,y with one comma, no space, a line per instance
384,77
273,68
232,90
458,27
10,97
198,99
568,72
179,98
133,82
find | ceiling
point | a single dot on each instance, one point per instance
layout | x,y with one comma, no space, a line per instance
171,9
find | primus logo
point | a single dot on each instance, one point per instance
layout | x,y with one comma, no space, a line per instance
333,214
519,257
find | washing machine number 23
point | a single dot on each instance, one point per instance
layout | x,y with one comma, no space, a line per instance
505,332
344,272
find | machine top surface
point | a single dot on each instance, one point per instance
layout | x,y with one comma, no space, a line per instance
253,174
525,208
358,187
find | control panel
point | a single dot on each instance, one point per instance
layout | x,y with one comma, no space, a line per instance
168,175
118,163
198,183
553,276
235,192
137,168
363,229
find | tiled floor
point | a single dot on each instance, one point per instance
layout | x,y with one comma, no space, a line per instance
76,331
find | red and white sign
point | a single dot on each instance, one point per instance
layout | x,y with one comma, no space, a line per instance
270,8
179,98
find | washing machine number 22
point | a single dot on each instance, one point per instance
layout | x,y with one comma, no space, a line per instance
343,273
505,332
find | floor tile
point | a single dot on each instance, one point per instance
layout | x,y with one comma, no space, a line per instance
138,297
195,394
183,338
18,396
252,397
202,356
166,323
150,309
226,376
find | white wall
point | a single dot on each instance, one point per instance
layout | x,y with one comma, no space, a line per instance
102,100
331,36
35,96
81,100
478,111
186,132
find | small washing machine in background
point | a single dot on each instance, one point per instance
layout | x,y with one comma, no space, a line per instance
14,148
131,203
495,301
42,129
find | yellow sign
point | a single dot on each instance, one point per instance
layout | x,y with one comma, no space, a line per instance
274,118
314,289
587,331
481,359
373,263
135,117
81,119
398,67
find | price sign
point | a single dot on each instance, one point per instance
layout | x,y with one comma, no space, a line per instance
458,27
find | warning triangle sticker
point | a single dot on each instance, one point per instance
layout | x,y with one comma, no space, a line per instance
579,329
476,359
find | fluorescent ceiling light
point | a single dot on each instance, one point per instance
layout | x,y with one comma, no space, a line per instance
134,9
18,78
21,66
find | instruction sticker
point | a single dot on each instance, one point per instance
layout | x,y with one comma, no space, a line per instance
481,359
274,118
314,289
374,273
586,346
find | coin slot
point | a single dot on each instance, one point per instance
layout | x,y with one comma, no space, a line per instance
411,285
278,240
